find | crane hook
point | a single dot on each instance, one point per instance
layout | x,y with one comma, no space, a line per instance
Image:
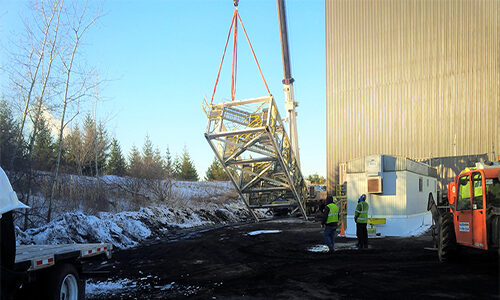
235,2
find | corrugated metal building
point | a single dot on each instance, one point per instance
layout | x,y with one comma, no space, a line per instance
411,78
449,167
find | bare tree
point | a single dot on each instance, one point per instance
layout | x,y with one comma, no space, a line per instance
29,63
39,54
30,74
74,89
38,110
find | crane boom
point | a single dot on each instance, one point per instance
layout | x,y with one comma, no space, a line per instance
284,42
290,103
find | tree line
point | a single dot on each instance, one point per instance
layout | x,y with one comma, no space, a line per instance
89,151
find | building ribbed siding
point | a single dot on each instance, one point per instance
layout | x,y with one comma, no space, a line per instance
411,78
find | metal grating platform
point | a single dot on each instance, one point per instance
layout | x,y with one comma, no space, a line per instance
249,139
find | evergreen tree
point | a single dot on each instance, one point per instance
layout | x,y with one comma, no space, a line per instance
153,163
177,166
9,132
147,153
116,164
158,167
95,146
134,163
102,148
169,165
185,168
73,151
44,149
216,172
88,145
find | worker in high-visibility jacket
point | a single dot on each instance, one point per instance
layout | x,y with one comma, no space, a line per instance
330,221
361,219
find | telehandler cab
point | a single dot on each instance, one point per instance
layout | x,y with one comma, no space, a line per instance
472,218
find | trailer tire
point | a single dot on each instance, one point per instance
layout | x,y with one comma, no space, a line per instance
65,283
447,241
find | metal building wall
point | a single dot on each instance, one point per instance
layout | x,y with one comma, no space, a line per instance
449,167
414,78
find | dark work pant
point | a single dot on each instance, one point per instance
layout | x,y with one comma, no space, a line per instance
330,234
7,256
362,235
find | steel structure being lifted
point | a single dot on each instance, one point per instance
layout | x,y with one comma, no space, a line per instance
250,142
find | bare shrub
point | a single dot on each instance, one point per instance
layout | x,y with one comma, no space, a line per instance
161,189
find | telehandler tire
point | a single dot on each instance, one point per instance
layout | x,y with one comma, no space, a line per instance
447,241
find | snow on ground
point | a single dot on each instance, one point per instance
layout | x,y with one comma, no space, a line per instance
257,232
346,246
128,229
101,288
338,246
192,204
420,230
199,189
318,248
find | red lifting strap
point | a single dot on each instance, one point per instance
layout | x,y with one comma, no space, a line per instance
234,21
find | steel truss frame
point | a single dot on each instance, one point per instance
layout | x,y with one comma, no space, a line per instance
250,141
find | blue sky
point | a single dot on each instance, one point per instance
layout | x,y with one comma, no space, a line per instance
162,58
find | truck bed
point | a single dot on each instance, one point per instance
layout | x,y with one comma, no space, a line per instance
33,257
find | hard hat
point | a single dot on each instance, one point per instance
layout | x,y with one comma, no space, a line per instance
8,198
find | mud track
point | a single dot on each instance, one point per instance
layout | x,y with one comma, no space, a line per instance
227,263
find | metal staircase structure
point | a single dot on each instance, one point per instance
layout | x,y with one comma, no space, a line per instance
250,141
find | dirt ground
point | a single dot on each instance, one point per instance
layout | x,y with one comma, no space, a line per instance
227,263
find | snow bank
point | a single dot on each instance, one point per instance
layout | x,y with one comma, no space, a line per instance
128,229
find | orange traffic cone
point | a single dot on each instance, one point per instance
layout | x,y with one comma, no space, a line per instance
342,231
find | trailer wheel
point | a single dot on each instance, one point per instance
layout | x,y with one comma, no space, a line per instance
65,284
447,241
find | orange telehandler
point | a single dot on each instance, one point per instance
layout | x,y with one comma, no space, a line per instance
472,218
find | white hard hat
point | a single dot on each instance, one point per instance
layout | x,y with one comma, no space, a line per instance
8,198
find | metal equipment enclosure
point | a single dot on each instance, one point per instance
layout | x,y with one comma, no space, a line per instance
401,199
411,78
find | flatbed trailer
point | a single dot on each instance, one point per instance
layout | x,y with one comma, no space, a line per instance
55,271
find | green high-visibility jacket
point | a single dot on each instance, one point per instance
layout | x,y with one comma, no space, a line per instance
361,214
333,214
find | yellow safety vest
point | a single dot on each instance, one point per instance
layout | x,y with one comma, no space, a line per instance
362,209
333,214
